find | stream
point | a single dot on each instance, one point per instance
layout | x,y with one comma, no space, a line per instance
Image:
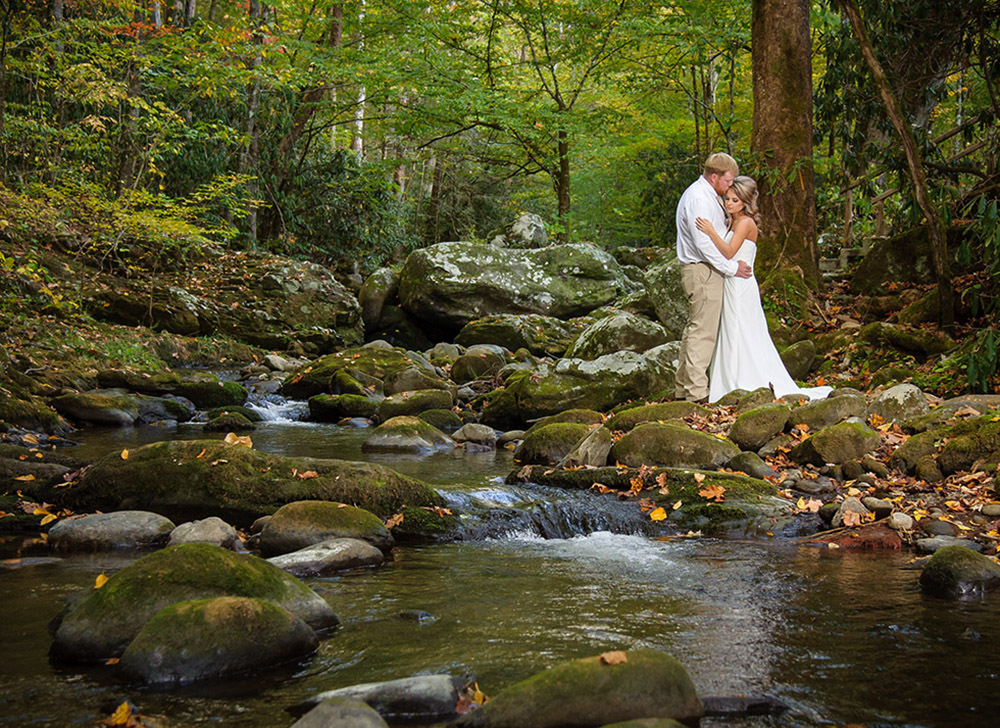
545,576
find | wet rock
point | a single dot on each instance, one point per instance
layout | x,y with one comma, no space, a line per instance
114,408
751,464
406,434
413,403
755,428
413,378
672,445
331,555
304,523
591,451
476,434
926,469
647,723
627,419
335,407
230,422
510,436
361,366
211,530
899,403
836,444
936,543
798,358
852,505
341,713
935,527
874,536
551,443
203,389
541,335
954,571
379,288
478,362
110,531
443,419
619,332
421,699
193,640
589,692
102,624
880,507
826,412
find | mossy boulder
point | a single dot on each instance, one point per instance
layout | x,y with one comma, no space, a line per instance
826,412
481,361
903,258
746,401
798,358
426,525
970,449
754,429
363,365
450,284
541,335
335,407
955,571
922,342
413,403
551,443
899,403
406,434
113,408
191,479
577,416
889,375
906,456
203,389
672,445
573,383
31,413
230,422
836,444
304,523
250,414
595,691
629,418
786,286
206,638
592,451
443,419
378,289
666,291
622,331
102,624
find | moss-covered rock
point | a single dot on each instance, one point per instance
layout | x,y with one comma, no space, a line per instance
205,638
955,571
747,401
413,403
541,335
754,429
891,374
922,444
31,413
622,331
903,258
899,403
443,419
250,414
798,358
204,389
836,444
591,451
577,416
426,525
101,625
826,412
594,692
304,523
479,362
967,450
335,407
672,445
627,419
186,480
786,287
230,422
551,443
113,408
663,284
406,434
922,342
360,363
378,289
450,284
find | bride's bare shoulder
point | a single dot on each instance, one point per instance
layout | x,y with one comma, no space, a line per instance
746,227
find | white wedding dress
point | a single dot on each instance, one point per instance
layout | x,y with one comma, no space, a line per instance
745,357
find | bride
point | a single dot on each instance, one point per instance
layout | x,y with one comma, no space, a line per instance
745,357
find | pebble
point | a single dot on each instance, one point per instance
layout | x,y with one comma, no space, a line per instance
939,528
992,510
814,487
881,508
930,545
899,521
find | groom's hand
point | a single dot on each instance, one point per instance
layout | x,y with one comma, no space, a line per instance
743,269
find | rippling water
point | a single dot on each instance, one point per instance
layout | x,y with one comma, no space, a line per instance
843,638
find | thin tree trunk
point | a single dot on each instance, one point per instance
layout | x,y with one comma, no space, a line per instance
357,141
694,113
562,186
336,38
939,241
4,32
432,228
249,159
190,10
157,14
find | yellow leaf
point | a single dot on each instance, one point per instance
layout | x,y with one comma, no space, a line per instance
25,478
394,520
100,581
677,505
112,661
201,454
852,518
125,454
658,515
47,520
31,439
121,716
699,477
801,504
478,696
233,439
614,658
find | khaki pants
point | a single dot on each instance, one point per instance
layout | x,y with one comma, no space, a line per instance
703,286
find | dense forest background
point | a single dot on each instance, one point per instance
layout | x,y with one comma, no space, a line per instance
350,133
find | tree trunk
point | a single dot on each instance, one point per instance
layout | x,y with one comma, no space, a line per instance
190,10
781,140
249,159
939,241
357,141
562,186
432,228
4,32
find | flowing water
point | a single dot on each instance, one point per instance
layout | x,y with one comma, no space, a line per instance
843,638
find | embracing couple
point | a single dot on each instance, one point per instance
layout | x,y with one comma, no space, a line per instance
717,221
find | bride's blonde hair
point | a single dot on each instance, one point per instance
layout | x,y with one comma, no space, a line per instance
746,189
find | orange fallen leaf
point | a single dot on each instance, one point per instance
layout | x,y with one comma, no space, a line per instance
100,581
233,439
658,515
602,488
306,475
25,478
125,454
30,439
852,518
394,520
713,493
614,658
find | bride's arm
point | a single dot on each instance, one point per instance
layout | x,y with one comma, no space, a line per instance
730,249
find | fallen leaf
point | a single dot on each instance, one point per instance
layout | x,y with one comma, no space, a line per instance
125,454
201,454
100,581
699,477
233,439
122,715
677,505
393,520
658,515
601,488
306,475
47,519
852,518
30,439
25,478
713,493
614,658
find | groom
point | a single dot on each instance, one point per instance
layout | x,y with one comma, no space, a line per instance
702,271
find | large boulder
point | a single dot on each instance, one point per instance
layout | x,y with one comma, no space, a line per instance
204,389
541,335
672,444
361,370
903,258
899,403
836,444
110,531
626,419
102,624
206,638
379,288
591,452
550,444
450,284
331,555
798,358
825,412
663,283
335,407
976,444
413,403
192,479
211,530
922,342
955,571
118,408
407,434
755,428
595,691
480,361
573,383
621,332
305,523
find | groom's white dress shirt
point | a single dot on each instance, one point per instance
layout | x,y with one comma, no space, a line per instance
694,246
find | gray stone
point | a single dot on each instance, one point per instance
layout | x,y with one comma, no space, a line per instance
935,543
110,531
814,487
406,434
411,379
622,331
752,400
341,713
510,436
751,464
936,527
899,403
325,557
829,411
798,358
755,428
591,451
836,444
880,507
421,699
853,505
476,434
900,521
413,403
211,530
991,510
478,362
379,288
672,445
280,363
537,334
663,284
305,523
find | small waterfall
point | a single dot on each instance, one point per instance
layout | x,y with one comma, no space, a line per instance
275,408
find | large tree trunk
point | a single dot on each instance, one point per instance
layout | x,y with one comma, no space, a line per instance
781,139
914,160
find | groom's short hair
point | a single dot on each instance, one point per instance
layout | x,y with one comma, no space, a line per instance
720,163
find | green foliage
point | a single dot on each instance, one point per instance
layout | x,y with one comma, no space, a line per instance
981,359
